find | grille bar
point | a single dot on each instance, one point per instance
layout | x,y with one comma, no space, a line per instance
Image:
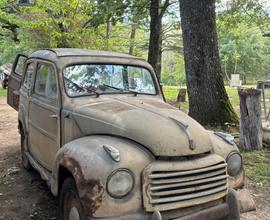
169,186
189,196
188,178
183,173
190,189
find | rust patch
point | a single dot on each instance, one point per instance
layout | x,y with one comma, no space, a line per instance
91,192
92,197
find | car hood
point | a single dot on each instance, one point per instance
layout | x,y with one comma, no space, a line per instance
159,127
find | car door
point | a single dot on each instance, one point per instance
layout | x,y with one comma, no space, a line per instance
14,81
44,115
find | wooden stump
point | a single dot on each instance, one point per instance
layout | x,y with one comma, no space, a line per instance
250,121
181,95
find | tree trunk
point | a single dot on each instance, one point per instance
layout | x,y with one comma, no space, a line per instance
155,36
159,63
251,122
108,33
157,11
132,38
208,101
181,97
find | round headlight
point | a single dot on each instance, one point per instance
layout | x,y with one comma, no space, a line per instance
120,183
234,162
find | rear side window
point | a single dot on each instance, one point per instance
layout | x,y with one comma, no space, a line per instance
46,84
30,68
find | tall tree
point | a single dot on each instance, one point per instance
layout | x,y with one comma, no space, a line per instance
8,11
157,10
243,27
138,14
208,100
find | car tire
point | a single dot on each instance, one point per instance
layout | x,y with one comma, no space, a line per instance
25,161
70,203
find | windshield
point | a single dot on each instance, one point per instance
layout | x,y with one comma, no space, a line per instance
87,79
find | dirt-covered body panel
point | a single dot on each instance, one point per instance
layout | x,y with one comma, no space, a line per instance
91,165
143,120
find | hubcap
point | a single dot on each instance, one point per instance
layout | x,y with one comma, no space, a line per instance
74,214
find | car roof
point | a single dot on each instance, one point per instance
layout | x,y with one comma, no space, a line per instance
56,53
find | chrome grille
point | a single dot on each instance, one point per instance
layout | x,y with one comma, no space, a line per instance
171,185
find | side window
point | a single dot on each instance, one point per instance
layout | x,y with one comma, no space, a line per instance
30,68
46,84
140,80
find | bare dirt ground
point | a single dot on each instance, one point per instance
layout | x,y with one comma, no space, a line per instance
23,195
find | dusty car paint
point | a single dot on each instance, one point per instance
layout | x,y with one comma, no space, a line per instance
150,136
93,159
124,116
224,150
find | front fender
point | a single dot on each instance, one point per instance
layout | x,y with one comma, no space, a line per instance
223,149
90,165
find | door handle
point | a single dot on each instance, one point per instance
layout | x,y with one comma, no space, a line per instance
52,116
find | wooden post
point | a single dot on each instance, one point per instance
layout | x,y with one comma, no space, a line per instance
181,97
264,105
250,122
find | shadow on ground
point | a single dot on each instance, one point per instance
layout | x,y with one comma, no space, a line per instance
23,194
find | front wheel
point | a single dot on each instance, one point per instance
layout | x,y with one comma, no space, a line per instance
70,203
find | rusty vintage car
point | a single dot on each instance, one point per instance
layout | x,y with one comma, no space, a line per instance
96,127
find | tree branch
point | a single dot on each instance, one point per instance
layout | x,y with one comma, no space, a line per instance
5,24
266,34
164,8
12,8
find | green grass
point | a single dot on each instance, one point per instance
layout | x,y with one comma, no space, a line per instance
3,92
171,93
257,167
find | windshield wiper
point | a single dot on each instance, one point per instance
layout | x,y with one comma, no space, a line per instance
116,88
133,92
81,89
93,90
122,90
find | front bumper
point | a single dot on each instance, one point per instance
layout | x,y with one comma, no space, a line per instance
230,208
217,212
236,202
213,213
